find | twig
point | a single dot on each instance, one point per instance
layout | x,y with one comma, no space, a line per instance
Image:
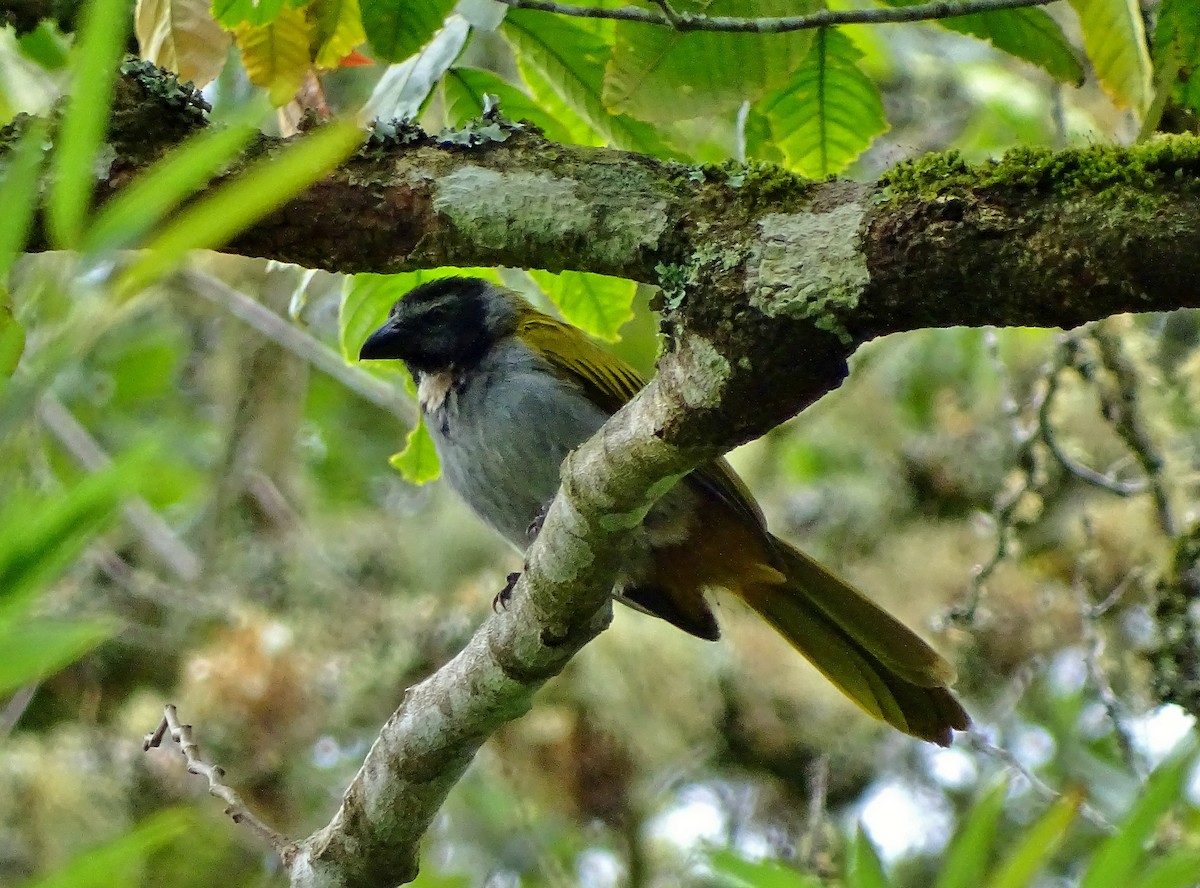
15,708
154,531
234,806
687,21
289,336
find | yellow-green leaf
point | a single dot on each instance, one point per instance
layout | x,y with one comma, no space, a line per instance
12,335
1033,850
598,304
1115,40
182,36
276,55
418,461
338,30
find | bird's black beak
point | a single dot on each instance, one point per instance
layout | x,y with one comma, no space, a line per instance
384,344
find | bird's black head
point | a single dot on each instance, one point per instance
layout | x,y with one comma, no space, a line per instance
448,322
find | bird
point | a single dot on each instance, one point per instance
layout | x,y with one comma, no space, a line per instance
507,392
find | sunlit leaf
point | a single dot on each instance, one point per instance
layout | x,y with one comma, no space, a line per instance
598,304
866,869
827,115
123,221
966,860
338,29
264,187
232,13
569,59
18,195
46,45
12,335
1037,844
661,75
1115,40
418,461
402,90
182,36
396,30
1117,859
79,136
276,55
119,861
463,90
31,650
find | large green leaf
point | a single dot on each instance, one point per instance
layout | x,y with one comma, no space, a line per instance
261,189
396,29
598,304
232,13
418,461
826,116
1177,51
463,90
661,75
1115,40
569,59
77,142
31,650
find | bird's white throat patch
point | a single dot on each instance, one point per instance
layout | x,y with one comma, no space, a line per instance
433,389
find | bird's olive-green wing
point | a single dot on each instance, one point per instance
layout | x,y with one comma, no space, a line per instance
610,383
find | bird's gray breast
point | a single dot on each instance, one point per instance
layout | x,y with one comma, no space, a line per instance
502,430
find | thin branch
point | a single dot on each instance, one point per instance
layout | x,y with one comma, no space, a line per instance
687,21
215,774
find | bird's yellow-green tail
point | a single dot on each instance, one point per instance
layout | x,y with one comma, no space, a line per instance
872,657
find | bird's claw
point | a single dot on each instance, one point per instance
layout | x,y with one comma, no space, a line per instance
504,596
535,526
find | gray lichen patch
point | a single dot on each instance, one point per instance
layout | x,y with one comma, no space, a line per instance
498,209
809,265
702,373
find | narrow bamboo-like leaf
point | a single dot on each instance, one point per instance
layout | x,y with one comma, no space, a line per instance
124,221
1037,844
966,859
12,336
232,13
662,75
118,862
866,869
418,461
569,59
463,90
1179,869
598,304
32,650
182,36
403,88
338,29
276,55
1115,40
1116,861
18,194
262,188
396,30
77,142
737,870
828,114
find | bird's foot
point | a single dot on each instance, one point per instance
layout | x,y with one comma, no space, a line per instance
504,596
535,526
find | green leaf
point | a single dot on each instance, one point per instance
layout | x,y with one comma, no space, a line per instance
866,869
396,29
232,13
277,55
46,45
598,304
568,59
31,650
737,870
12,335
367,299
966,859
1117,859
418,461
118,862
1178,869
1115,40
182,36
337,30
264,187
404,88
18,195
77,142
463,90
1037,844
1177,51
662,75
123,221
827,115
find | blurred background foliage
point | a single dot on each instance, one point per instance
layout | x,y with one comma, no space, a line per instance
196,502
